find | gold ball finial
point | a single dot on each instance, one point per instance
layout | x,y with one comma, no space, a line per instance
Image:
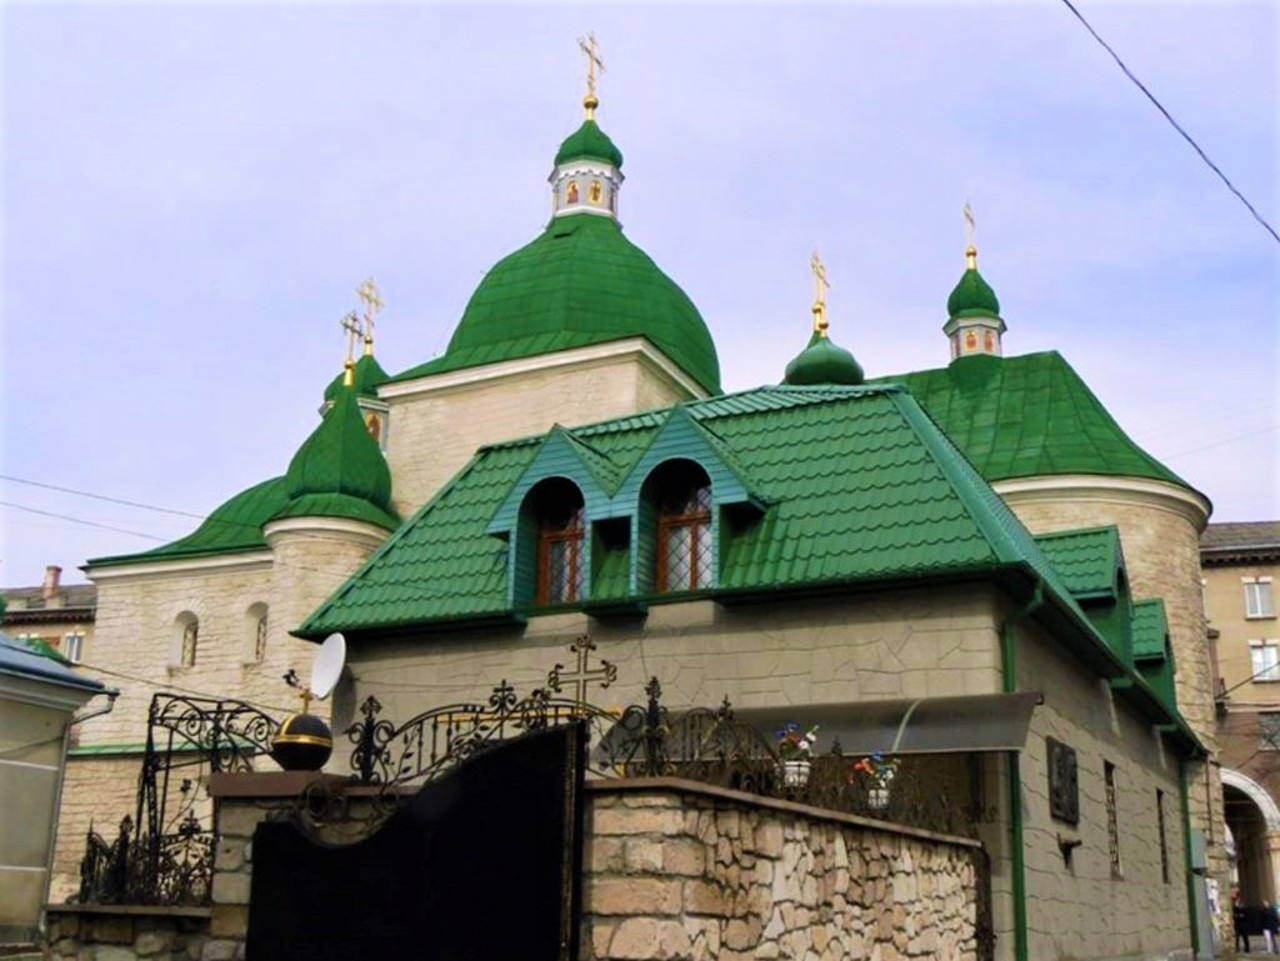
971,257
349,373
590,102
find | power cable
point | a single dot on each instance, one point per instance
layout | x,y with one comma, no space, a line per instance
80,520
183,690
100,497
1176,126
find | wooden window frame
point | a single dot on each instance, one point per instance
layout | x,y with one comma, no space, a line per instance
575,536
699,523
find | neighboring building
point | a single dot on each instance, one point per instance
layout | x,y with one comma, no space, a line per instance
39,693
1239,564
571,466
60,615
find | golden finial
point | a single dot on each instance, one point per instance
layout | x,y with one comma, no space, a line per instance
820,285
588,46
368,292
970,227
351,324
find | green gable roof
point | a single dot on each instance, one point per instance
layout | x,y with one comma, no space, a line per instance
232,527
581,282
1087,559
831,467
589,142
1028,416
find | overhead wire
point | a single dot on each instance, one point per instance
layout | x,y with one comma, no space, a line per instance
1174,123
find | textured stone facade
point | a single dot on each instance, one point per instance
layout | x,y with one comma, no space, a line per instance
438,423
111,933
704,875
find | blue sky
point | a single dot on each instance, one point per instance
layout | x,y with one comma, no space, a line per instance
192,192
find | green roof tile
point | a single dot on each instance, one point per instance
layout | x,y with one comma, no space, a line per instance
232,527
1150,630
1086,559
1028,416
581,282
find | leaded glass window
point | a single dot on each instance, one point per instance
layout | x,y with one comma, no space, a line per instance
684,538
560,560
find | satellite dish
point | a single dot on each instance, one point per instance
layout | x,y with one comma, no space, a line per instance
328,664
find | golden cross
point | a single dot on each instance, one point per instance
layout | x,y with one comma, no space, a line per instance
820,284
351,324
588,46
605,675
970,230
368,292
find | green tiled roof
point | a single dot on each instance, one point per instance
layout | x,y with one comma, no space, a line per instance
1086,559
1028,416
368,375
339,471
973,297
1150,629
836,467
589,142
581,282
822,362
234,526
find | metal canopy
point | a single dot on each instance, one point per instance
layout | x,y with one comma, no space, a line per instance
929,725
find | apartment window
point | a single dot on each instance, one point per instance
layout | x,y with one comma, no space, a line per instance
1269,731
1258,598
73,647
1164,845
1113,826
1264,658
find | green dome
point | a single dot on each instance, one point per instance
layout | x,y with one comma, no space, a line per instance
822,362
580,283
973,297
589,142
369,374
339,471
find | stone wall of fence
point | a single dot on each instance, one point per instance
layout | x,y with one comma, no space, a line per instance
673,869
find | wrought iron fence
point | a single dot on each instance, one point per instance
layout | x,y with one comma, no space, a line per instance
163,854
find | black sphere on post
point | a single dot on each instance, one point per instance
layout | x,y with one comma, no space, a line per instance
303,743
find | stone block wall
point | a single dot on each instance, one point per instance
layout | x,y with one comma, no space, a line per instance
688,872
116,933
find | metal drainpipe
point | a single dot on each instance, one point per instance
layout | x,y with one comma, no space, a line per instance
1184,798
1009,666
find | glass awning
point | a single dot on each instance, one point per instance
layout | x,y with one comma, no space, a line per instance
930,725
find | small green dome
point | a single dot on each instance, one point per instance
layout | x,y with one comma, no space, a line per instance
973,297
822,362
589,142
339,471
368,375
582,282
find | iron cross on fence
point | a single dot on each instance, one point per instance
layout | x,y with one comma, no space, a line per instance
582,676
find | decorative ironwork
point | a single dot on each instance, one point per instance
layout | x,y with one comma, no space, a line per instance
1064,788
605,674
170,858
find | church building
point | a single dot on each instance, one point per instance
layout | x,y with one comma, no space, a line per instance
980,535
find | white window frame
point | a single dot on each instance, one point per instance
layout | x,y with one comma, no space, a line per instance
1259,598
73,646
1259,669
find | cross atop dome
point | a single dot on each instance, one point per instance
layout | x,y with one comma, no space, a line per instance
821,361
588,169
588,46
973,325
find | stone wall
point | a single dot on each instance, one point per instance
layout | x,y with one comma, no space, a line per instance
121,933
682,871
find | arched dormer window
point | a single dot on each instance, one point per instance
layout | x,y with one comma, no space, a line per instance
554,517
186,639
683,550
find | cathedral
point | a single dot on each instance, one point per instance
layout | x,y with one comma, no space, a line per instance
969,534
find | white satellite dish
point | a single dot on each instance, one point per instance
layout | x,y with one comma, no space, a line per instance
327,667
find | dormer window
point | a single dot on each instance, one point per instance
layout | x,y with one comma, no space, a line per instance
560,560
683,545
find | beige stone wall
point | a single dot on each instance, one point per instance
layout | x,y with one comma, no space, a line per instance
1161,541
97,792
690,875
899,644
108,934
1081,910
434,435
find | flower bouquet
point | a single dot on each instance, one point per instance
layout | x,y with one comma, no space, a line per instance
879,772
795,748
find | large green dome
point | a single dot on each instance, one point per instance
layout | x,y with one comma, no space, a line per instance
581,282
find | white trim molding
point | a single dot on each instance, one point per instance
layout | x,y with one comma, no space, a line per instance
237,563
1256,793
596,355
1190,505
360,533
